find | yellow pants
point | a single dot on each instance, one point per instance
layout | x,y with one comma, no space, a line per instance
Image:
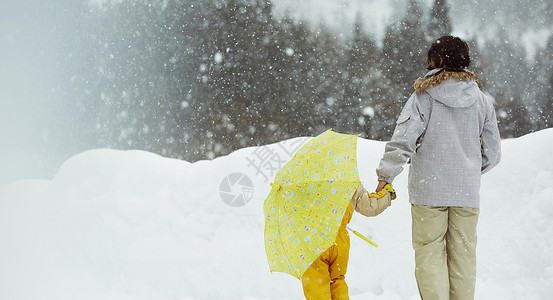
325,278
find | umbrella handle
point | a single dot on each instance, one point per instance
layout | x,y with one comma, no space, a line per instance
276,186
366,239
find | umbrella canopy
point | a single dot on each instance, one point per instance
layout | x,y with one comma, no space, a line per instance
307,202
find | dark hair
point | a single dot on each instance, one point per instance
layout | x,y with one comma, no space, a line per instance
453,51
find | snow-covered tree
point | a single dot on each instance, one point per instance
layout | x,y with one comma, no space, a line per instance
439,23
198,79
544,99
505,86
403,61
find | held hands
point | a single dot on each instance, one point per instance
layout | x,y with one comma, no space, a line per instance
369,204
383,185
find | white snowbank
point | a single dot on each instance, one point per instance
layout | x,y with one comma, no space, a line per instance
134,225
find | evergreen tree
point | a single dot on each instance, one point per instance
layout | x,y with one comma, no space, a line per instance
312,79
545,98
478,63
439,23
234,67
195,62
547,108
196,80
504,85
331,107
293,80
411,33
403,59
361,79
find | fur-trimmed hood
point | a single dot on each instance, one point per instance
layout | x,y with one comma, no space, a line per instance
454,89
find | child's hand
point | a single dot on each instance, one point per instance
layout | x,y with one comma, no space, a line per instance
390,189
369,204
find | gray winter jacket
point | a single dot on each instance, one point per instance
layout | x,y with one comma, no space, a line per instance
460,143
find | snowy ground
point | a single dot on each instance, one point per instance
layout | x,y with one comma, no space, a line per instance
134,225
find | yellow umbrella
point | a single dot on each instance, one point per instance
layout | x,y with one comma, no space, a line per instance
308,200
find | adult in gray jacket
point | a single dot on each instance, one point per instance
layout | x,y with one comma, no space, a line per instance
448,132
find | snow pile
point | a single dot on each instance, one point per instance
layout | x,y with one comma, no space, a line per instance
134,225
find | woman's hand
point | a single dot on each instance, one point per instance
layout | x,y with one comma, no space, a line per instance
380,186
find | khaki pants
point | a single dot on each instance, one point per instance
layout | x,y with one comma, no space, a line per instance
444,240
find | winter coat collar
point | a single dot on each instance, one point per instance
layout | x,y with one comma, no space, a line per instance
453,89
439,75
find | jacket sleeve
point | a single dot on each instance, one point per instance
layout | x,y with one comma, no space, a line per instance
370,205
409,126
491,141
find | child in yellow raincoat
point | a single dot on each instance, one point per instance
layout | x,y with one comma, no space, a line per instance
325,278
